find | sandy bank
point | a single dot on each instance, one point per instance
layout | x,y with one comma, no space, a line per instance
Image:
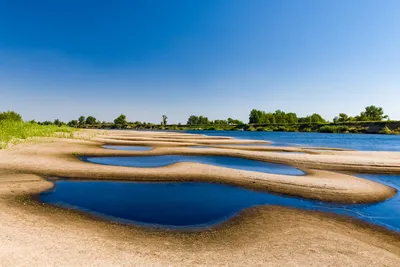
60,158
32,234
39,235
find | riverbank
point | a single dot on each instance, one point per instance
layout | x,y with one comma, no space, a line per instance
32,234
61,157
365,127
260,236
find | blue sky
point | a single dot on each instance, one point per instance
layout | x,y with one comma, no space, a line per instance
217,58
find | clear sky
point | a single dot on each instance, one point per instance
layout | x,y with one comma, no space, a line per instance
217,58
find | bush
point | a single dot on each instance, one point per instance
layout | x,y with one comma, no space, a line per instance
334,129
385,130
306,130
10,116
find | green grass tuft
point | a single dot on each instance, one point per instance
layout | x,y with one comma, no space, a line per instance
12,132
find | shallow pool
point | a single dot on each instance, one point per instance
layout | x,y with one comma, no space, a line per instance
223,161
192,205
129,148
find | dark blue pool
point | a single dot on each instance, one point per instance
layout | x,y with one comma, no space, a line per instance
191,205
223,161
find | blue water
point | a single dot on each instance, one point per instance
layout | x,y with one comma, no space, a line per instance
366,142
192,205
223,161
129,148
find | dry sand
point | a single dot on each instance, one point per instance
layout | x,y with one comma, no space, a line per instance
32,234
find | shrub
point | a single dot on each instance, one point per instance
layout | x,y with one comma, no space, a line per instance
385,130
306,130
334,129
10,115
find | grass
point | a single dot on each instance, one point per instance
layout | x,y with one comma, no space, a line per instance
12,132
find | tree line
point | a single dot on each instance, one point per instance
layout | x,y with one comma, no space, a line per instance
201,120
371,113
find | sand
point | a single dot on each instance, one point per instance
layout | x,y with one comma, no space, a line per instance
32,234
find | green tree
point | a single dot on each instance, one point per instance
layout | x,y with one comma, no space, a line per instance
46,123
81,120
255,116
198,120
164,119
203,120
363,117
314,118
91,120
10,115
58,122
121,121
220,122
292,118
234,121
279,116
73,123
193,120
343,117
374,113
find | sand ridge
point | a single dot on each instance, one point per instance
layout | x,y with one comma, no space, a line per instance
61,158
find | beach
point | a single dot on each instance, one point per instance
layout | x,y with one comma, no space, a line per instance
33,233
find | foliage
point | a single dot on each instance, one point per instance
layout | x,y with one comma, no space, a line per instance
314,118
234,122
343,117
164,119
386,130
73,123
10,115
58,122
46,123
261,117
371,113
121,121
220,122
12,131
198,120
81,120
91,120
334,129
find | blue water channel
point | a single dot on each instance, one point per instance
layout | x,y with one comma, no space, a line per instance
198,204
223,161
129,148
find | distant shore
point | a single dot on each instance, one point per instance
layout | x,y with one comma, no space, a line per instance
383,127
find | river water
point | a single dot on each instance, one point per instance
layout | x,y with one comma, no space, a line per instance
365,142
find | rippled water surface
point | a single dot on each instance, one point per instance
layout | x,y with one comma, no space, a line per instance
223,161
191,205
369,142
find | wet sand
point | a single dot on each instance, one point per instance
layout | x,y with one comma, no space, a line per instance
35,234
